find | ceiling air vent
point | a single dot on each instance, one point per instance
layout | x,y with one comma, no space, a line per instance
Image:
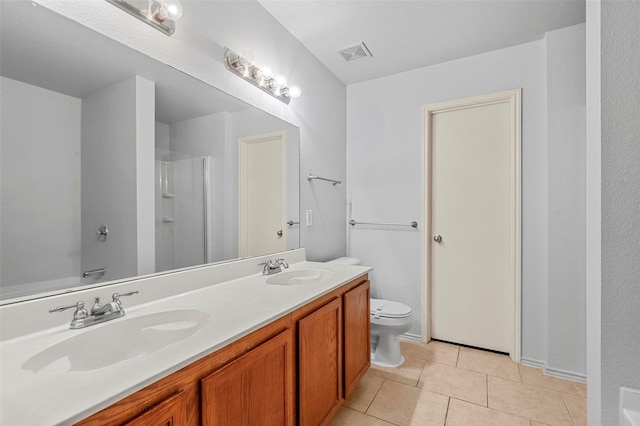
354,53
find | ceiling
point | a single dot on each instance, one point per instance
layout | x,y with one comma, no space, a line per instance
407,34
48,50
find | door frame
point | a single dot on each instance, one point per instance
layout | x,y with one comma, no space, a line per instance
513,98
243,144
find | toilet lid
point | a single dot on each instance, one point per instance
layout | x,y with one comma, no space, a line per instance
388,309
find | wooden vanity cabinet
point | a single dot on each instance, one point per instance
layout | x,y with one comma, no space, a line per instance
254,389
146,405
169,412
295,370
333,343
357,335
320,364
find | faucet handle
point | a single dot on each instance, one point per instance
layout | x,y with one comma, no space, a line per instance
283,263
80,312
116,299
116,296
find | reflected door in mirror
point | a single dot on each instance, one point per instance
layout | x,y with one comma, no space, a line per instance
262,203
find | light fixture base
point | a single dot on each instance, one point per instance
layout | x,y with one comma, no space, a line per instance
249,73
167,26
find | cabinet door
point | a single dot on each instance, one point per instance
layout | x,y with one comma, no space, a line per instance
320,364
357,336
170,412
255,389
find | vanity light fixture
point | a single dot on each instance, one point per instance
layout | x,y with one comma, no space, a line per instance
242,65
160,14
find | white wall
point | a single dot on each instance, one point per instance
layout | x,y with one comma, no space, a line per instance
197,48
113,148
593,219
620,291
566,135
386,173
40,171
145,114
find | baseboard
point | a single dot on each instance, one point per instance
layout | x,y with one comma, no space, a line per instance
532,363
563,374
554,372
411,336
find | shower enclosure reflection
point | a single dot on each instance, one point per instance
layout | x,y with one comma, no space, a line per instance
182,211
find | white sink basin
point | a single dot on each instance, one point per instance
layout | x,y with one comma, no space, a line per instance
116,341
299,276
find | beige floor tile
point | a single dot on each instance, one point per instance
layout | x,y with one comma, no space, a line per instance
535,376
489,363
455,382
408,373
528,401
431,409
407,405
463,413
348,417
577,406
444,353
364,393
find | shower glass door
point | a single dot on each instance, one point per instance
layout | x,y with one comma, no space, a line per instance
182,217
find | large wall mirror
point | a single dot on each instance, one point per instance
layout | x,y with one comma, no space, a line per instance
114,165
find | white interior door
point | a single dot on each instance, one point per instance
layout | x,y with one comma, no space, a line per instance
262,195
474,154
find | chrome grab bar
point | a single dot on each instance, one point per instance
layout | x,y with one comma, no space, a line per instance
311,177
413,224
92,272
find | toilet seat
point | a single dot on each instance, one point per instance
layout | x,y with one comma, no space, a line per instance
381,308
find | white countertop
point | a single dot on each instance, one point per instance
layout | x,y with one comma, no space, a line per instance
235,308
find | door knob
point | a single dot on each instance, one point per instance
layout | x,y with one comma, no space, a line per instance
437,238
279,233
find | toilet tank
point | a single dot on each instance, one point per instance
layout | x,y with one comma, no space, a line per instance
346,261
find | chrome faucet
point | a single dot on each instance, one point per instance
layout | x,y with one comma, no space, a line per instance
99,313
274,266
283,263
100,309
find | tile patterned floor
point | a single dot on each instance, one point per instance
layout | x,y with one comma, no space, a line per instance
441,384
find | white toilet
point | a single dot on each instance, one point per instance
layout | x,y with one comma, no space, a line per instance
388,321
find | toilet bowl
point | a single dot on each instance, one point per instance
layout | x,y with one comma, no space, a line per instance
388,321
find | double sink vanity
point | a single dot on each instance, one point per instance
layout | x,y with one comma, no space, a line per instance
221,344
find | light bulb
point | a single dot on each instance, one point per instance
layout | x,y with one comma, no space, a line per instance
248,57
295,91
281,80
173,9
235,62
266,72
159,12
